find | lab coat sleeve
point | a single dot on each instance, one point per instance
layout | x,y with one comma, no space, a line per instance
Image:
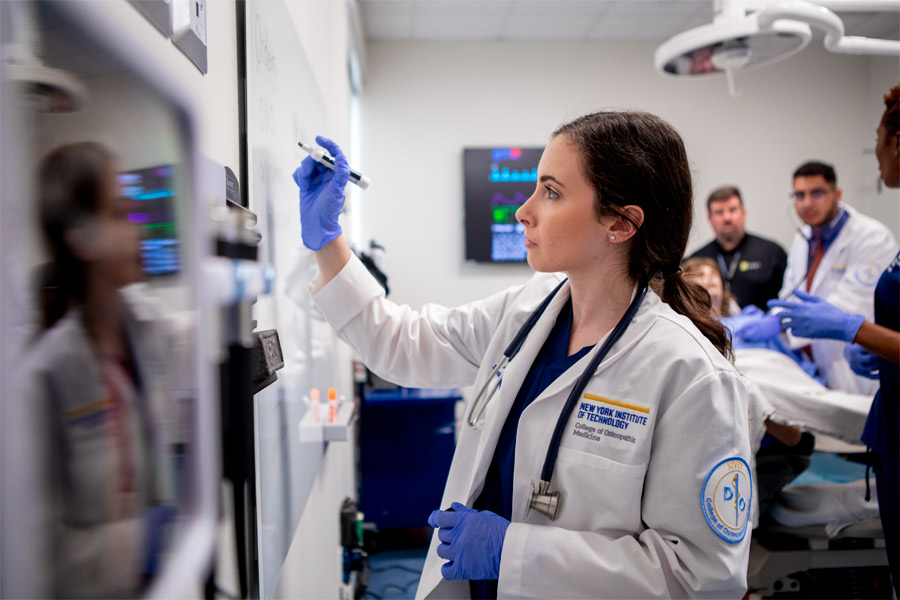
435,347
869,256
678,554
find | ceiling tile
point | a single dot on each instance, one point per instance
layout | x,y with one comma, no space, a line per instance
375,7
389,27
561,7
634,27
524,20
696,20
545,27
457,27
877,25
660,7
463,6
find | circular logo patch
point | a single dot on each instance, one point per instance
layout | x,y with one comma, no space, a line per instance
725,499
868,274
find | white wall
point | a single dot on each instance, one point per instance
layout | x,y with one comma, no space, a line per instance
313,566
215,94
424,102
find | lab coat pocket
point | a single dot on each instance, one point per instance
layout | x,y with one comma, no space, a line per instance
598,493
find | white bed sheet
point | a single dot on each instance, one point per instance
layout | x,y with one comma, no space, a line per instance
781,391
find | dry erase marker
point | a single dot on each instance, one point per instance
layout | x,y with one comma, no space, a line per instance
321,156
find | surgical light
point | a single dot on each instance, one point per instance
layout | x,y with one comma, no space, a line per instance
46,89
740,41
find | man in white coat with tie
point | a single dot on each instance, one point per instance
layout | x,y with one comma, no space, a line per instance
838,256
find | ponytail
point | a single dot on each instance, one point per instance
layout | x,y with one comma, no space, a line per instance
692,300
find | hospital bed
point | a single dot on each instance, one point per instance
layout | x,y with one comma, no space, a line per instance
821,539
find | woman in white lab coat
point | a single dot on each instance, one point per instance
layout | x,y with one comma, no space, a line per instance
651,475
95,383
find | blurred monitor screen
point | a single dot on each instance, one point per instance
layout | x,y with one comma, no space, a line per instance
497,182
152,191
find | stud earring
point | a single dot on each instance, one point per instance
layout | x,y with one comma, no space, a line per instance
612,238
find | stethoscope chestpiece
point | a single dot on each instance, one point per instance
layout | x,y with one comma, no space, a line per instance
542,500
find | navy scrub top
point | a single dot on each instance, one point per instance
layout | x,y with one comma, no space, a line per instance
551,362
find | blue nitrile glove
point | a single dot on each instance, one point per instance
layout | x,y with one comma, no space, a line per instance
321,196
816,318
752,310
471,540
862,361
757,328
156,519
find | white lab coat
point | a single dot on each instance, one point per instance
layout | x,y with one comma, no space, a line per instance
846,278
630,523
88,547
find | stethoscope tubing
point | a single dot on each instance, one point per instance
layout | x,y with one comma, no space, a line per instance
482,399
529,324
481,402
575,393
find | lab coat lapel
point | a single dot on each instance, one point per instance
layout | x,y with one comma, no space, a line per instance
540,418
498,409
645,316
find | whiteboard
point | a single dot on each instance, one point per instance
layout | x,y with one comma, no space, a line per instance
284,106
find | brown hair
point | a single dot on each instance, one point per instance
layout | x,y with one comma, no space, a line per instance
69,190
637,158
891,117
721,194
692,264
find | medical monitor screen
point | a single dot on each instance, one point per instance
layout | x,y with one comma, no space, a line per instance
497,182
152,192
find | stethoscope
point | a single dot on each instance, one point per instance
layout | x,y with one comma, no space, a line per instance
496,378
541,498
798,224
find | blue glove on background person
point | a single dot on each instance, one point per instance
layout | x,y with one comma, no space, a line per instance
471,540
753,325
321,196
862,362
816,318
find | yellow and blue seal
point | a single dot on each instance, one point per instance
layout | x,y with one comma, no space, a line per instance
725,499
